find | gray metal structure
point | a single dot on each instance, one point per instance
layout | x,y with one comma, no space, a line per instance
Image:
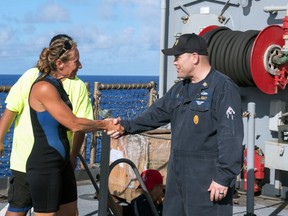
187,16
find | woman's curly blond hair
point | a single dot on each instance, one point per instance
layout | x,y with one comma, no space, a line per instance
58,49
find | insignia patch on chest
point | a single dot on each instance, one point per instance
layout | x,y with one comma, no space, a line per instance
205,84
230,113
199,102
196,119
203,98
204,93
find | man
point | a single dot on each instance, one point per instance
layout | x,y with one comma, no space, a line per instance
19,196
204,110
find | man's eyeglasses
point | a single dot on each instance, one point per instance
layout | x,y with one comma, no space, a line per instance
66,46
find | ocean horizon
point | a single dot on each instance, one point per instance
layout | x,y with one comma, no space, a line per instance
10,79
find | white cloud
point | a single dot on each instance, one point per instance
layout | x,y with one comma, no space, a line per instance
49,12
5,35
114,36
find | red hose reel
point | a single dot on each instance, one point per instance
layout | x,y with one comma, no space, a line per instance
267,76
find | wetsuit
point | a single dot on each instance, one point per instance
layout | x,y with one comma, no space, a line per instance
19,196
207,134
49,171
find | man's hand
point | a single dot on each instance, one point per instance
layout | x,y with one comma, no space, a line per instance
217,191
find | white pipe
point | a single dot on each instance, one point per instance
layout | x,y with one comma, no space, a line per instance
250,158
163,37
272,9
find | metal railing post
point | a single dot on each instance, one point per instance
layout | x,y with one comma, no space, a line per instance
250,159
104,175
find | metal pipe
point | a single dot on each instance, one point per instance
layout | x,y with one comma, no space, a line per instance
82,152
277,181
82,159
101,86
163,58
272,9
184,9
5,88
279,60
138,176
112,205
152,91
96,108
250,159
104,175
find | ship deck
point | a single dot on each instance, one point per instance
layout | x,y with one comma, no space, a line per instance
88,205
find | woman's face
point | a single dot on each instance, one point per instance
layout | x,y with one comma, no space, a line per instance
71,67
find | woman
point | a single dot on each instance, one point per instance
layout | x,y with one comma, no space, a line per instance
17,108
49,170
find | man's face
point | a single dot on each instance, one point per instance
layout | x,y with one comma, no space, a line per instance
184,65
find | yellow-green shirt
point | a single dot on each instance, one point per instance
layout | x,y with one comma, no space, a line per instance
17,101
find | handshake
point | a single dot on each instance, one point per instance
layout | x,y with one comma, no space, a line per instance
113,127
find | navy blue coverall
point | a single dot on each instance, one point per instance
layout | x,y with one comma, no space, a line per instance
207,134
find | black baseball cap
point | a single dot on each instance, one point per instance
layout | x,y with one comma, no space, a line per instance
188,43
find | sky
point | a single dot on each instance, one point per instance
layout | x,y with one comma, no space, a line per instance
114,37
